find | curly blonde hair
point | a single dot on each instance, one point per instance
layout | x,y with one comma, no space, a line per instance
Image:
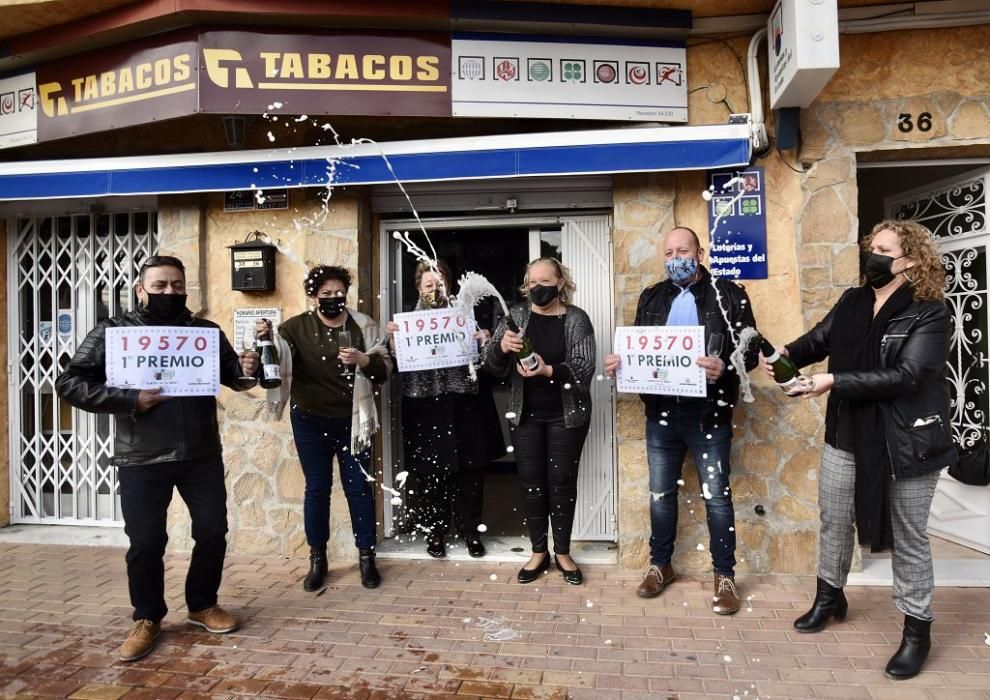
927,275
566,293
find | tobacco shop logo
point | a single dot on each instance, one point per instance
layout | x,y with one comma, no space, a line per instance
506,69
572,70
637,73
606,72
539,69
471,68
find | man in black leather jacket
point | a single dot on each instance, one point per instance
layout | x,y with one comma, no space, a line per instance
691,297
162,443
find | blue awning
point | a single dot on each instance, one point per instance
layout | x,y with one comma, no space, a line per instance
604,151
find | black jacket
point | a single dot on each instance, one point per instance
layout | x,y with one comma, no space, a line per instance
180,428
657,299
910,382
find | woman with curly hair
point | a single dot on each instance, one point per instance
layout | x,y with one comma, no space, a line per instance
549,407
336,355
887,433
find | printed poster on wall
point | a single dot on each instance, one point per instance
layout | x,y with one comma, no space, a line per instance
244,324
574,79
18,112
434,338
738,221
660,360
183,361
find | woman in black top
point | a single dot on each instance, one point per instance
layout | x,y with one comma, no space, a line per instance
450,433
549,408
887,432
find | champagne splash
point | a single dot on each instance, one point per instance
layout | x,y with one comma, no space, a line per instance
471,289
738,355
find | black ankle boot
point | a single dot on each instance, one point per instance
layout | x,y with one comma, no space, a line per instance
370,577
829,602
317,569
916,642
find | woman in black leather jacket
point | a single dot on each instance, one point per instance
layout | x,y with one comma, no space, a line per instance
887,433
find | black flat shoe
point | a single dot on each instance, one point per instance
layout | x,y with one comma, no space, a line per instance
529,575
474,546
572,576
436,548
370,578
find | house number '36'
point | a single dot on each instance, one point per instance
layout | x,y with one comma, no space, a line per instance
905,122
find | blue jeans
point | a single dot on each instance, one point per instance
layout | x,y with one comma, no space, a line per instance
667,441
318,439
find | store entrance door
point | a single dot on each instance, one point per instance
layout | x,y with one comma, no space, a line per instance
956,211
499,248
65,273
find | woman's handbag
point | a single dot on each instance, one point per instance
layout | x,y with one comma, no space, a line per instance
973,467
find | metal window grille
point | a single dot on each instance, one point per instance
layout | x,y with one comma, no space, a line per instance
65,273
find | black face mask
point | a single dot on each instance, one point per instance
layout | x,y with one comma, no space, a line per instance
332,307
166,308
877,270
543,294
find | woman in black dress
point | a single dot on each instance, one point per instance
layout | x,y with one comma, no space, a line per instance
450,433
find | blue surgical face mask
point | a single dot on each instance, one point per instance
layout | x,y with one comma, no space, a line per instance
680,271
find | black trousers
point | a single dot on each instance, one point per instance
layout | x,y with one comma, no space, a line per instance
145,493
547,458
461,492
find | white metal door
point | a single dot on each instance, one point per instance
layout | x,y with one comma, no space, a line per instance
64,274
584,245
956,211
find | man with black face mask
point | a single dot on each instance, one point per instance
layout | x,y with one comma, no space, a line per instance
162,443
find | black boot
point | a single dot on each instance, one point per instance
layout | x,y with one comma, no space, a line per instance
829,602
317,569
370,577
916,642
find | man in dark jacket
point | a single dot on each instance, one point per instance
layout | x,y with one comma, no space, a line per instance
690,296
162,443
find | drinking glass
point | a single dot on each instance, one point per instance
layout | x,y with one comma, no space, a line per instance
714,349
343,343
248,344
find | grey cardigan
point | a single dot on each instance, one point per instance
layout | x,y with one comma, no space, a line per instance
580,354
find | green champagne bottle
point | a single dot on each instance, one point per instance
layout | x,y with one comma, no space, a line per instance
527,356
785,373
271,370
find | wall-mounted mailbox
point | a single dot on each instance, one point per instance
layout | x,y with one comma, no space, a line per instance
252,265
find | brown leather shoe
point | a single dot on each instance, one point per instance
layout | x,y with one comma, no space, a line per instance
726,598
140,641
657,578
215,619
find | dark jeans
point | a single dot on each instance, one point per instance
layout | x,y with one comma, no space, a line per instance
679,429
145,493
547,458
460,492
318,439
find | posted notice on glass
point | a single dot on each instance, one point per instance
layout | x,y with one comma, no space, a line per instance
182,361
434,338
660,360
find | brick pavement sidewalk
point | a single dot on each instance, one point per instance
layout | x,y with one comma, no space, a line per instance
463,630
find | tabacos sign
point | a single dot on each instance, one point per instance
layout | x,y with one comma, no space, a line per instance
359,73
117,87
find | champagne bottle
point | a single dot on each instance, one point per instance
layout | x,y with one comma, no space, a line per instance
527,356
785,373
271,370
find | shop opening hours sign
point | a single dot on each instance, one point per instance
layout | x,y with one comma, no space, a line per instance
180,360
